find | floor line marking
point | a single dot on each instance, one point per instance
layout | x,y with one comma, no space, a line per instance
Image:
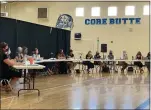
53,88
143,105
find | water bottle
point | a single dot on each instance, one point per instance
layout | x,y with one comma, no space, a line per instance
25,60
39,56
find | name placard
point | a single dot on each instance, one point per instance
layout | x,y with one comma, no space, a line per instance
112,21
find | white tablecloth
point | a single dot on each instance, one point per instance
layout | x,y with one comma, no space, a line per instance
80,60
34,66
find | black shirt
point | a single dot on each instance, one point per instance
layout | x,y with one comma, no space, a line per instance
89,56
97,56
71,55
110,56
4,66
19,57
138,57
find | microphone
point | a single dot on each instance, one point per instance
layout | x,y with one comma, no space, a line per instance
51,55
80,55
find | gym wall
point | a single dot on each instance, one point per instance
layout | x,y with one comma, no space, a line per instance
130,37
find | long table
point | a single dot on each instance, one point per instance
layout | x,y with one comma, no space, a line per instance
91,60
77,60
29,67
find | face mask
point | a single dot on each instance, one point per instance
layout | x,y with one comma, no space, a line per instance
6,50
9,52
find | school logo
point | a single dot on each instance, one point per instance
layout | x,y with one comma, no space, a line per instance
65,21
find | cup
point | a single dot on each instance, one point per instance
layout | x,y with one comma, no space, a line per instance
31,60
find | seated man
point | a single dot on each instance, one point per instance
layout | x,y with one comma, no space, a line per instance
139,63
62,65
148,63
71,65
97,57
7,70
112,63
124,56
88,63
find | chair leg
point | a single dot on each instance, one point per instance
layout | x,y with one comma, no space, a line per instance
92,70
9,85
96,70
6,82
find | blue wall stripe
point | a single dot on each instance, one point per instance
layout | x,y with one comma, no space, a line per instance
144,104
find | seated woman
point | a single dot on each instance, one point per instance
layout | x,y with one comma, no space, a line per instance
7,70
97,57
88,63
36,54
112,63
62,65
139,63
70,64
19,55
148,63
124,56
25,54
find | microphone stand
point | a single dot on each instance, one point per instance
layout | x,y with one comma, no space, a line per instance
80,59
51,56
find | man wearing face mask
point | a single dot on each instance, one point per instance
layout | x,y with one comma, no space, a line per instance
8,53
6,64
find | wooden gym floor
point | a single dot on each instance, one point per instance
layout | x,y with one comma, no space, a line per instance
83,91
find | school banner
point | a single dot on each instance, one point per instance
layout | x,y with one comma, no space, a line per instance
112,21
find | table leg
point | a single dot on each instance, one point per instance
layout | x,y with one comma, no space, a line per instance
79,65
33,81
29,85
24,78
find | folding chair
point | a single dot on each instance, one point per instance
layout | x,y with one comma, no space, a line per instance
6,82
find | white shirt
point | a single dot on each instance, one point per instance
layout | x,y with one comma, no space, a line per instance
124,57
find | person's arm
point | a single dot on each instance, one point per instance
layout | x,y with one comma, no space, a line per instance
114,58
94,56
63,56
16,58
87,57
91,57
9,62
142,57
73,56
108,57
58,56
126,57
19,58
136,57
